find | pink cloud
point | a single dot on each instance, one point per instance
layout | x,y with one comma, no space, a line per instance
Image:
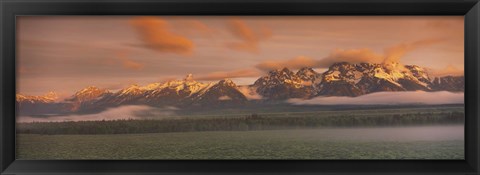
156,35
250,38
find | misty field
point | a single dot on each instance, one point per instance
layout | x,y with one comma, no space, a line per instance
396,133
425,142
237,121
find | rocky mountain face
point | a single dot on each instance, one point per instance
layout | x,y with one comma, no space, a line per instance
85,97
284,84
341,79
449,83
344,79
179,93
223,93
29,99
45,104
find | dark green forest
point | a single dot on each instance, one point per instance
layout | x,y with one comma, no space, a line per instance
242,123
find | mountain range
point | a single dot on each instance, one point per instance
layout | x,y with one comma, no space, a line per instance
341,79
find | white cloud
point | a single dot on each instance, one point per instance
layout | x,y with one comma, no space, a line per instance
388,98
119,113
249,93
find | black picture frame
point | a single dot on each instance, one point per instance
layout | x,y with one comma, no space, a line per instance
9,9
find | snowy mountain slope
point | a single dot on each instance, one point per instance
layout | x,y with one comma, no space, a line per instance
341,79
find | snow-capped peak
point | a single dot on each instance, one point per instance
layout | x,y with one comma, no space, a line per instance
88,93
21,98
187,85
227,82
89,90
279,77
306,71
53,96
189,78
152,86
370,77
49,97
133,89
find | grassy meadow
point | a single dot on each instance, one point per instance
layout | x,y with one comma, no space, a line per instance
274,144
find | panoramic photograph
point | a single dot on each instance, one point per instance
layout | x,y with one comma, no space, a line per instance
240,87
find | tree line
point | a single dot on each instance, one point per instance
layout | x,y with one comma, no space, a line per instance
242,123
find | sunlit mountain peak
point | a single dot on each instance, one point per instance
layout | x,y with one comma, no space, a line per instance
189,77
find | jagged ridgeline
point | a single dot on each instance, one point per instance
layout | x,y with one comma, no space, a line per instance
341,79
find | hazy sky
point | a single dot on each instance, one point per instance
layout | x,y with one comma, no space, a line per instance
65,54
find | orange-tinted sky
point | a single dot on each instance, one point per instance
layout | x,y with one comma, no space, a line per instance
65,54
